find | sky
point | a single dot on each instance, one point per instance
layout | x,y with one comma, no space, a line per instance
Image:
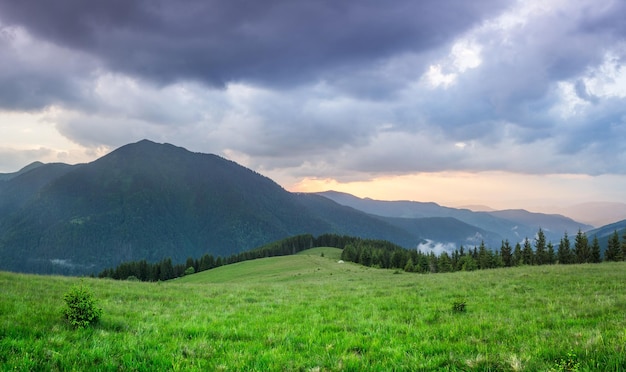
510,104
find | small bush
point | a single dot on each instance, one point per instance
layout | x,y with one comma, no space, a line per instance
569,364
190,270
81,309
458,306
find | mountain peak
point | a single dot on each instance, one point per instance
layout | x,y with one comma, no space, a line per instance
29,167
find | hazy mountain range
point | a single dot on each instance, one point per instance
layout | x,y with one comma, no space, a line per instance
592,213
151,201
514,225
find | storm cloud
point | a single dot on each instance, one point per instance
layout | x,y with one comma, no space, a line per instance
274,42
337,89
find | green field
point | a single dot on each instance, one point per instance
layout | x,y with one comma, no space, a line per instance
310,313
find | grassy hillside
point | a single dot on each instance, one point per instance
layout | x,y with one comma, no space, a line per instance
311,313
305,265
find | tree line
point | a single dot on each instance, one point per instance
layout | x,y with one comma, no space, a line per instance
538,252
384,254
166,270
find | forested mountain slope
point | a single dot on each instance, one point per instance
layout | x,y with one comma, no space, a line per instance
151,201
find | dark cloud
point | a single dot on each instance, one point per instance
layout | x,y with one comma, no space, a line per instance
606,18
270,42
35,75
329,88
34,91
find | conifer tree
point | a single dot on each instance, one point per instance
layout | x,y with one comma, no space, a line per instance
484,261
613,251
445,263
497,260
564,253
398,260
595,250
422,265
551,256
527,253
166,269
433,263
505,252
349,253
540,248
581,248
517,255
454,260
365,258
468,263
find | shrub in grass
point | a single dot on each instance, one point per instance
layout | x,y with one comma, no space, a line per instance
569,364
190,270
458,306
81,309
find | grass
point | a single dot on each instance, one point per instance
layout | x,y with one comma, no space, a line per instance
310,313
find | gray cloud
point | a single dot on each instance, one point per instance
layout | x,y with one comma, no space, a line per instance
35,75
271,42
329,89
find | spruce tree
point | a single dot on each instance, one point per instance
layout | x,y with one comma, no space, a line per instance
551,255
422,263
581,248
564,253
456,258
445,263
349,253
595,250
613,251
527,253
540,248
517,255
433,264
365,258
497,260
484,261
505,251
468,263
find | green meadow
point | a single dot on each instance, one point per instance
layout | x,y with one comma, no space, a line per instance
308,312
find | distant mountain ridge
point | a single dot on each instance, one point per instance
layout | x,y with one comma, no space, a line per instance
8,176
151,201
603,233
514,225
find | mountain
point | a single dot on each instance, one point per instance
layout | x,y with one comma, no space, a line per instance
514,225
552,224
151,201
445,233
16,190
477,208
8,176
603,233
